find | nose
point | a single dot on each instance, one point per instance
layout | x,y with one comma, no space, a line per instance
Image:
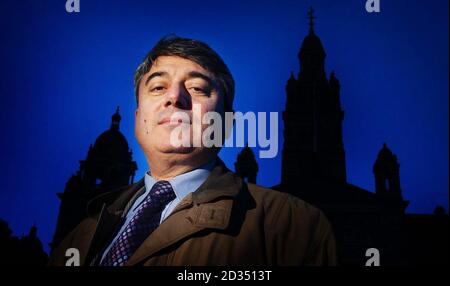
178,97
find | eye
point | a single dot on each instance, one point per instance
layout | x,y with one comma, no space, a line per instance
158,88
197,90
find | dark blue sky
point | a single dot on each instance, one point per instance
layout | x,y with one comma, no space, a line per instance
62,76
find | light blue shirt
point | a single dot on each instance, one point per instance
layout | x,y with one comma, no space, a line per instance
182,185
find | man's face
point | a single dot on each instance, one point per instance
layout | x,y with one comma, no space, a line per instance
173,84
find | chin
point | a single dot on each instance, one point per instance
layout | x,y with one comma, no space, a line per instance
168,148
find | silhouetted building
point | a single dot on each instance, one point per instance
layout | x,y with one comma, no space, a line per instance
26,250
246,166
314,169
108,165
426,238
313,147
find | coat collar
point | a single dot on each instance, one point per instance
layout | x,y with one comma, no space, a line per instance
197,211
220,183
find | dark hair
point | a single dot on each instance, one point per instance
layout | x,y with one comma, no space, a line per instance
195,51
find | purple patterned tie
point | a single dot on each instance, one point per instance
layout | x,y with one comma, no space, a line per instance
142,224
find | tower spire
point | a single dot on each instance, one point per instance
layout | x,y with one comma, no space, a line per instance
311,20
115,120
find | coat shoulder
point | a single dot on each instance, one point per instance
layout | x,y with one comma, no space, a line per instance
276,202
291,223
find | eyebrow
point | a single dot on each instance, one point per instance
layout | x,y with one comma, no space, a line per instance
155,74
192,74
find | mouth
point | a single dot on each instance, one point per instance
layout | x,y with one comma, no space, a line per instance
173,121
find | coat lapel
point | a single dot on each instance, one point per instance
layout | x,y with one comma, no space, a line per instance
110,217
197,211
106,225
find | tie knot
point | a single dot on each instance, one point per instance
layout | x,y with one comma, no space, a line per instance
162,192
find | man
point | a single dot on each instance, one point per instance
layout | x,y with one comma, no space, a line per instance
189,209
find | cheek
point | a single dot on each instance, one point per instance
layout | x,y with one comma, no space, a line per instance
144,120
210,104
139,123
148,111
208,107
200,109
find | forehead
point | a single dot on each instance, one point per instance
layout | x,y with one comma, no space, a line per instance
176,66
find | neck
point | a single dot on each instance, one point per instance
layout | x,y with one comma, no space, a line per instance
167,166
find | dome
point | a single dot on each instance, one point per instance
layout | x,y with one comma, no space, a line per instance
312,45
111,144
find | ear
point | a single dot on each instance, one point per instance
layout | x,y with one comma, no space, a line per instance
136,113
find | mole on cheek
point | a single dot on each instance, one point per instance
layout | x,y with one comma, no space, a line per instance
146,128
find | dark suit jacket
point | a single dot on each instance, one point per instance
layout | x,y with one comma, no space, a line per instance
225,222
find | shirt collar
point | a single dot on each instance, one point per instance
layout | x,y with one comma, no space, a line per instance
185,183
